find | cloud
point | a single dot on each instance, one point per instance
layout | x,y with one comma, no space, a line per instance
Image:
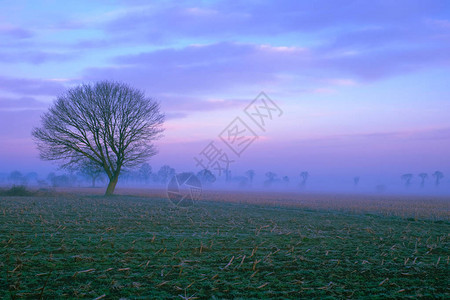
200,68
15,32
225,66
433,134
377,64
30,87
175,115
190,104
172,20
20,104
33,56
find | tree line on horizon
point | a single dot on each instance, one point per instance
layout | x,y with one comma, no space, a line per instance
92,174
105,130
144,175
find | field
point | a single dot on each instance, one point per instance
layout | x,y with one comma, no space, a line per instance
231,245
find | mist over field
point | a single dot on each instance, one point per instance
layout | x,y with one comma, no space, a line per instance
322,183
224,149
362,92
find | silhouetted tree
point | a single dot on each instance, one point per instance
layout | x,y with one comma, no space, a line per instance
32,177
50,176
42,183
16,178
227,175
423,177
407,179
286,180
241,181
356,180
125,175
304,177
165,173
90,169
250,174
206,177
145,172
271,178
109,123
438,175
63,180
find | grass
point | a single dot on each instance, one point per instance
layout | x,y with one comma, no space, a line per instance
139,247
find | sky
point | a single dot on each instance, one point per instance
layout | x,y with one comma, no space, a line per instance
361,88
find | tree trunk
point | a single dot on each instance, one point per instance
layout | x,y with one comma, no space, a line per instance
111,185
93,181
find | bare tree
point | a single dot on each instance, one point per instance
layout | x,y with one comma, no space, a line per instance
407,178
17,178
304,175
228,175
145,172
206,177
109,123
423,177
250,174
438,175
91,170
165,173
271,178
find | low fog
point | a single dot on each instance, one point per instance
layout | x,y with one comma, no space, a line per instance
147,177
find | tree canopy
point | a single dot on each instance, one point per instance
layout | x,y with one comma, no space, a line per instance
110,123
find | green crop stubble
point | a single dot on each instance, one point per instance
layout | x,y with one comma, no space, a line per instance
140,247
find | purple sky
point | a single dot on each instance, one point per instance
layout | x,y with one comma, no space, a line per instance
363,85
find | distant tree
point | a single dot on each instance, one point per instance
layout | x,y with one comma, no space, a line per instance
286,180
145,172
125,175
423,177
241,181
50,177
407,179
32,177
228,175
250,174
63,180
304,177
165,173
109,123
206,177
438,175
16,178
90,169
356,180
42,183
271,178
